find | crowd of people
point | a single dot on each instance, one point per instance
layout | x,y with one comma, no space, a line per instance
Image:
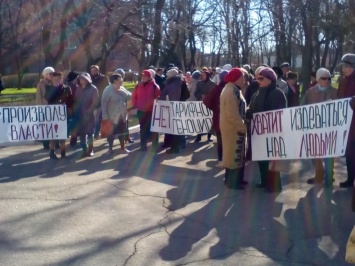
98,104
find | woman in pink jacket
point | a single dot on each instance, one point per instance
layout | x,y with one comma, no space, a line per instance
143,97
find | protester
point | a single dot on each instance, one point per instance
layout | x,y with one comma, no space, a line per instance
172,92
58,93
285,67
268,98
202,88
114,108
280,82
86,101
72,81
293,90
233,129
123,74
160,78
215,77
321,92
195,77
100,81
41,89
143,97
212,101
347,89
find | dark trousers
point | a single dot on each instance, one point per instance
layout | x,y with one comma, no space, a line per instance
219,146
350,166
98,119
120,130
145,119
270,179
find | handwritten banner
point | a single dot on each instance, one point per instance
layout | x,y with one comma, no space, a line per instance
30,123
181,118
310,131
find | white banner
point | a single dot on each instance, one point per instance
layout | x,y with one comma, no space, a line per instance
309,131
181,118
30,123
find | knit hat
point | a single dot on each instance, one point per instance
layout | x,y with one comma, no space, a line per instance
268,73
196,75
233,75
95,66
227,67
188,73
278,71
121,72
218,70
172,73
223,74
322,72
72,76
285,64
147,73
152,72
86,76
348,59
47,70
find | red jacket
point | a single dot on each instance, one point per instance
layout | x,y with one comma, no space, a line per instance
211,101
144,94
347,89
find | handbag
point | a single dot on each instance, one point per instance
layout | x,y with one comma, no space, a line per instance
279,165
106,128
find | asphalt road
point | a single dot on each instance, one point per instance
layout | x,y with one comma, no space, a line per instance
145,209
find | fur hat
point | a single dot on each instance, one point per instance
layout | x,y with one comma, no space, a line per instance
268,73
172,73
227,67
233,75
47,70
86,76
322,72
72,76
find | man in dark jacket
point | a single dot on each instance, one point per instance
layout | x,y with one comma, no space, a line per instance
346,90
100,81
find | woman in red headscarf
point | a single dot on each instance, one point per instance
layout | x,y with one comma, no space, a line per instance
233,129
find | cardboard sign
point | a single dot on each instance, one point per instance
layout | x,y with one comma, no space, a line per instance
30,123
309,131
181,118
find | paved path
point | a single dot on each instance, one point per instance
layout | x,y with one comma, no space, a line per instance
140,209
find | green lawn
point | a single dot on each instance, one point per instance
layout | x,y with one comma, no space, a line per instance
128,85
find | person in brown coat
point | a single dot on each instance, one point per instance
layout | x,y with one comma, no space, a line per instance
321,92
347,89
233,129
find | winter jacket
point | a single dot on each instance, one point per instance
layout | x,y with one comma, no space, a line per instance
144,94
172,89
347,89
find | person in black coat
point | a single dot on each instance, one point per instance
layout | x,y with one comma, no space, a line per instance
268,98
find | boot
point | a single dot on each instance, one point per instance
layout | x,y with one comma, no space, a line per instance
226,177
234,179
209,135
351,172
198,138
62,154
319,176
241,177
85,151
91,150
52,155
264,169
